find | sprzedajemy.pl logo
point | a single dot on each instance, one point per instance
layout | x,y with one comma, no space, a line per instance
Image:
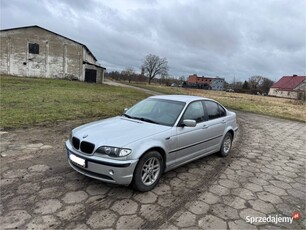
273,219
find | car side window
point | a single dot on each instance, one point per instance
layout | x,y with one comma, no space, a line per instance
213,110
222,111
195,111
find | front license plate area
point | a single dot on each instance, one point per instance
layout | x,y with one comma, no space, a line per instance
77,160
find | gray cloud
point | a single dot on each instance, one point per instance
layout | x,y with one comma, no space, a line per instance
226,38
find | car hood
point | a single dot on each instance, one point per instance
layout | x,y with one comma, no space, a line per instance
117,131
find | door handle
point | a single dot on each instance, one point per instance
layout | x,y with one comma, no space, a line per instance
223,121
205,126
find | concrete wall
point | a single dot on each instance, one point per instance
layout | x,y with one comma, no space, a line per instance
283,93
58,57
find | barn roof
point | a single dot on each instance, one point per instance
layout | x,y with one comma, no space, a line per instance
35,26
289,82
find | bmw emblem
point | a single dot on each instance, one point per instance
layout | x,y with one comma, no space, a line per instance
85,136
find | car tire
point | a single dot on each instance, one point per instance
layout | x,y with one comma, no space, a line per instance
148,171
226,145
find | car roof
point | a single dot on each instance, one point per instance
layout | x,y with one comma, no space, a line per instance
182,98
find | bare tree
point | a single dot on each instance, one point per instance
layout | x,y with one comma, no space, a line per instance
266,84
154,65
255,81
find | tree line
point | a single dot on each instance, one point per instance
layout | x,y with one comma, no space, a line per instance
154,66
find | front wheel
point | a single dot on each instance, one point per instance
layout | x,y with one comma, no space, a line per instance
148,171
226,145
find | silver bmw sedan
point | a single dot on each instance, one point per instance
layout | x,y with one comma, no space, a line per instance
156,135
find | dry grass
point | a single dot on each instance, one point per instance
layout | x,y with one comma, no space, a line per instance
272,106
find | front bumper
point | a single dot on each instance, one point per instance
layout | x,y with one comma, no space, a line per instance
107,170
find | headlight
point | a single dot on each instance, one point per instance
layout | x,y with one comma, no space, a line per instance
113,151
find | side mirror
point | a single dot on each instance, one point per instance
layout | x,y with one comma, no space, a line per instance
125,110
189,123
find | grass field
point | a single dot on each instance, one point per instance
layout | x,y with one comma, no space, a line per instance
272,106
28,101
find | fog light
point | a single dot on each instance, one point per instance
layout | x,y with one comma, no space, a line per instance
111,172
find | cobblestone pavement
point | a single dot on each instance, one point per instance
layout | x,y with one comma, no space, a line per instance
265,175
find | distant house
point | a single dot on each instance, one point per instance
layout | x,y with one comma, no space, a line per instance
213,83
293,87
35,51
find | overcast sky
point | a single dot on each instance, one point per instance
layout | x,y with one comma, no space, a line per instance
227,38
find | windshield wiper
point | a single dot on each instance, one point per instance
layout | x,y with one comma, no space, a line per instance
128,116
140,118
146,120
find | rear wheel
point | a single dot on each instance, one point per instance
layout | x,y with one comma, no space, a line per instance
148,171
226,145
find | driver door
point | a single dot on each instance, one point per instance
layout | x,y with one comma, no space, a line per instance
191,140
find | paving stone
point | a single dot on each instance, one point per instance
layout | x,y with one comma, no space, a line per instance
34,176
224,211
120,193
14,219
275,190
51,192
297,186
198,207
267,196
296,193
28,188
74,185
240,224
162,189
244,193
4,182
169,226
151,212
212,222
11,174
43,222
284,178
166,200
234,201
16,202
129,222
39,168
253,187
47,206
280,184
54,180
75,197
125,207
262,206
102,219
209,198
185,220
258,181
77,226
101,201
33,146
228,183
219,190
46,147
71,212
145,198
288,174
97,189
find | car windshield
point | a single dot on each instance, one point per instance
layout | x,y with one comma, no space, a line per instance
158,111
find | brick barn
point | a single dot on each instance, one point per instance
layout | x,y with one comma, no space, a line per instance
38,52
